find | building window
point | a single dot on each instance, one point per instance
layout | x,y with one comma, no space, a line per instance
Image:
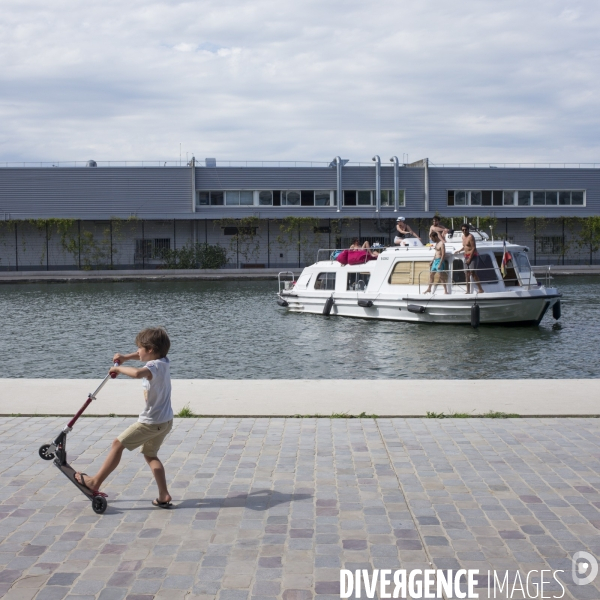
290,198
387,197
143,250
364,198
161,244
325,281
265,198
214,198
516,198
322,198
239,198
349,197
460,198
151,248
508,198
358,197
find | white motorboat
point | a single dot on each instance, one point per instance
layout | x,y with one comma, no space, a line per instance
392,284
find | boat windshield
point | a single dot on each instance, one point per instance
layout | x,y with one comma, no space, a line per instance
522,262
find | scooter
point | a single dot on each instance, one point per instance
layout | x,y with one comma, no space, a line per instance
57,450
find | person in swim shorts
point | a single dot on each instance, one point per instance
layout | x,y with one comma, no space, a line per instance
438,265
471,258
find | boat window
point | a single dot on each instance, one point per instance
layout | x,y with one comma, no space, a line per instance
325,281
522,262
358,281
410,272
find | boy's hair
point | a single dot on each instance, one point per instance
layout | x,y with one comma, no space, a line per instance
155,339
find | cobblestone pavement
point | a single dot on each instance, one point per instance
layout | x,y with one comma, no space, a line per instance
274,508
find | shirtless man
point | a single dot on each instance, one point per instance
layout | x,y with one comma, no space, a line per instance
438,228
471,258
403,230
438,264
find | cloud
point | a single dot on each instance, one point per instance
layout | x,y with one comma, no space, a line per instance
269,80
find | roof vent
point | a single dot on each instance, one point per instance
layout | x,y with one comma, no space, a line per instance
91,163
210,162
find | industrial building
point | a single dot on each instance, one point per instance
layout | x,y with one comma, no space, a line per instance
278,214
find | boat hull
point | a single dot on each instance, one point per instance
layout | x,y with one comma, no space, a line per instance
499,309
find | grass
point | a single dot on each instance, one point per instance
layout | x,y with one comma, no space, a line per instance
187,413
362,415
492,414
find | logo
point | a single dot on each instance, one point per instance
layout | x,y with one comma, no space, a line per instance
584,568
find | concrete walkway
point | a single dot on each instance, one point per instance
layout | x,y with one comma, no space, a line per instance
273,509
215,397
210,274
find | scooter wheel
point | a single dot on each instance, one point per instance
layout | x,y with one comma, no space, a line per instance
44,452
99,504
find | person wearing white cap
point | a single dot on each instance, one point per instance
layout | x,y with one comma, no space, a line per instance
403,230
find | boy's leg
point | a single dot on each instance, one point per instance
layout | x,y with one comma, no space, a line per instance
111,462
150,451
159,475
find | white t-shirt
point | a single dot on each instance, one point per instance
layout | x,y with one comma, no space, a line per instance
157,393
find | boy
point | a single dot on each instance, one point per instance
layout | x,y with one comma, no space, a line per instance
154,422
438,264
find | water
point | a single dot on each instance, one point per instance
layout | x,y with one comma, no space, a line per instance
235,330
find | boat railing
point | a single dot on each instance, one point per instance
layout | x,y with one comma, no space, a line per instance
284,282
525,281
324,254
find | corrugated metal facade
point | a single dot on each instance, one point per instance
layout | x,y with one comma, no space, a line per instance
94,193
166,193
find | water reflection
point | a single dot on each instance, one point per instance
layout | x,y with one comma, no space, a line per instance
235,330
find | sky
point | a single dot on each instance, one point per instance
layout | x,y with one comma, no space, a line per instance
473,81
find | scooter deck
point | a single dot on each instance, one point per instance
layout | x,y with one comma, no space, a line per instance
69,472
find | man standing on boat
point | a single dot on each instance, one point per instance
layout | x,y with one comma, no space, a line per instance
471,258
438,228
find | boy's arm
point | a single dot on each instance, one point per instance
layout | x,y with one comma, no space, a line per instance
121,358
142,373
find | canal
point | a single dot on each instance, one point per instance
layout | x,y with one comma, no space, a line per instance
235,330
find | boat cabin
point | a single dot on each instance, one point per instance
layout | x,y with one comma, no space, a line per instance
410,266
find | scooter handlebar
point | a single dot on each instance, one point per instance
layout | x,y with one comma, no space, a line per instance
116,364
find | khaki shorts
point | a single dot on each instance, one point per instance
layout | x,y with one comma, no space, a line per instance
149,437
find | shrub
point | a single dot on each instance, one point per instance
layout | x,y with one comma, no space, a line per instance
195,256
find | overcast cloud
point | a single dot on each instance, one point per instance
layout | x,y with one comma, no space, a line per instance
469,81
